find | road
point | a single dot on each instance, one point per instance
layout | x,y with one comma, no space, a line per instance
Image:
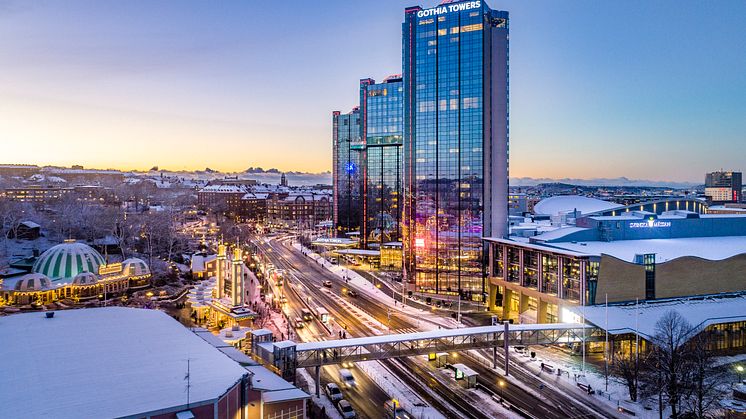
366,397
551,404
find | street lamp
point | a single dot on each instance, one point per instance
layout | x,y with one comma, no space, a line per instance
501,386
739,369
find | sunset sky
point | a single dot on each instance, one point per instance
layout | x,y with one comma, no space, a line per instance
641,89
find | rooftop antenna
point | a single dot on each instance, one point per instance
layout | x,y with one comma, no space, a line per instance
188,378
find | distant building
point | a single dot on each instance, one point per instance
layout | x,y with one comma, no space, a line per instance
224,198
347,172
283,180
300,209
722,187
18,170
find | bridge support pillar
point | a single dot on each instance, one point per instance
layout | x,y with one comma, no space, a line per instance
494,357
318,380
506,345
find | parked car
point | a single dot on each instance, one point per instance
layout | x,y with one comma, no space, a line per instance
347,379
346,410
327,283
333,391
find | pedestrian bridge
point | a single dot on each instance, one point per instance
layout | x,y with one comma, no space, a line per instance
287,356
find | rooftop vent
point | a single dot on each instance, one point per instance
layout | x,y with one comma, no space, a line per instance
49,314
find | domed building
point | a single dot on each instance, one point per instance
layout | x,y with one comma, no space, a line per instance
33,282
74,272
135,267
61,263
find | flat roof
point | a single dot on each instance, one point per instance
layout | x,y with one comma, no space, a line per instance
359,252
700,312
105,362
468,372
710,248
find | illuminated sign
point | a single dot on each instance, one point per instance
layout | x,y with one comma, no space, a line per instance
112,268
650,224
419,243
448,8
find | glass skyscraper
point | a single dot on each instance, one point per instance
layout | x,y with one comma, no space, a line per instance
381,124
347,173
455,62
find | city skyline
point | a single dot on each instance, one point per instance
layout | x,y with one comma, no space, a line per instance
652,92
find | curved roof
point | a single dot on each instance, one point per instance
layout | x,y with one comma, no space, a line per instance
64,261
85,278
33,282
135,267
560,204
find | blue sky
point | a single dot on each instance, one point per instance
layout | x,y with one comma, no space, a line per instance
640,89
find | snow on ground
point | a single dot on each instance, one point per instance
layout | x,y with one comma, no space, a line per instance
427,320
322,400
394,387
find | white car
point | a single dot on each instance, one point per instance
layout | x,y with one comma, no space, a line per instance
345,408
347,379
333,391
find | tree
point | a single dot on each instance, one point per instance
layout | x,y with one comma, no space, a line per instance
624,367
668,377
705,378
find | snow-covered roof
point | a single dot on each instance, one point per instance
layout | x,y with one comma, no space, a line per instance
223,189
105,362
710,248
560,204
699,312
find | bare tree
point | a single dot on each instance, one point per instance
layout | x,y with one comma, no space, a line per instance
668,375
624,367
705,378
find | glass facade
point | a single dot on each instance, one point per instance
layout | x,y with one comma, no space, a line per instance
455,60
347,173
381,110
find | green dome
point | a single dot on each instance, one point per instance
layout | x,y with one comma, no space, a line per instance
64,261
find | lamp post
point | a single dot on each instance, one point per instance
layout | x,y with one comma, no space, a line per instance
739,370
501,386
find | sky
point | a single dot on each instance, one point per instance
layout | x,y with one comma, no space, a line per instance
646,90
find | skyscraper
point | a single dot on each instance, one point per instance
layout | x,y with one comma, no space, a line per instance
455,62
381,127
347,173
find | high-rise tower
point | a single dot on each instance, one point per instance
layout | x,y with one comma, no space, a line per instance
455,62
346,172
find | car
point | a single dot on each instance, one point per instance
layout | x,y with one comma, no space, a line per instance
299,323
348,364
346,410
347,379
351,293
327,283
333,391
393,410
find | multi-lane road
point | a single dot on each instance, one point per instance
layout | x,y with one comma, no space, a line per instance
449,399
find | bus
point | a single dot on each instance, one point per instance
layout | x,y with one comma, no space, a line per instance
321,314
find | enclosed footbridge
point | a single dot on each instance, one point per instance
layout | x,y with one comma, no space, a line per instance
287,356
